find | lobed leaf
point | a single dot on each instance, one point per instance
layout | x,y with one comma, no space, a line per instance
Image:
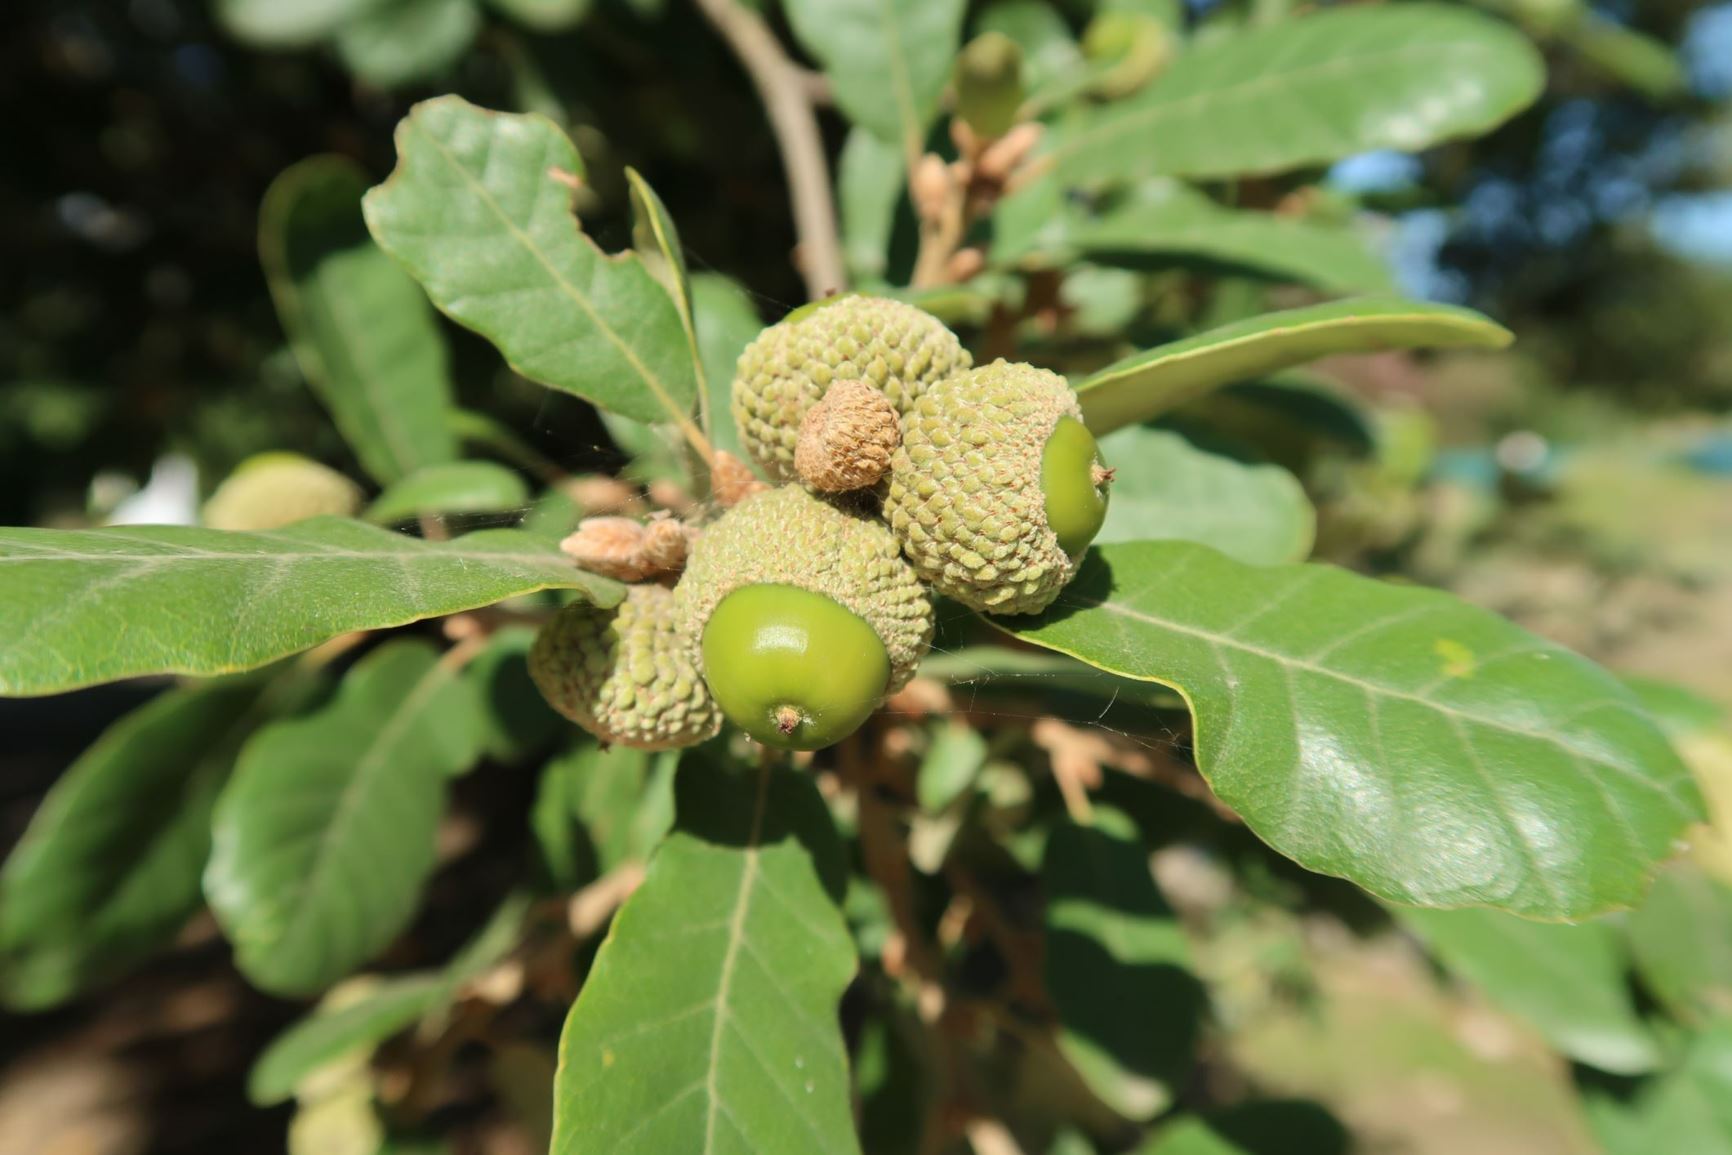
360,328
868,46
479,212
709,1022
78,607
1567,981
1157,380
325,834
1165,488
1427,750
1308,91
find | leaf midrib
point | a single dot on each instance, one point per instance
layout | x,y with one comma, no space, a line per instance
1290,662
736,938
342,813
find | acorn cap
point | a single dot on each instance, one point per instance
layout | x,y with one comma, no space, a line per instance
969,498
791,537
893,346
627,675
271,490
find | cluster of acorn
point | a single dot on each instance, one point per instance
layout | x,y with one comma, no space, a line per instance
899,471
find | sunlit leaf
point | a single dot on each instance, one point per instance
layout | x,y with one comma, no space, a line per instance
1425,749
709,1022
325,834
1152,382
888,60
79,607
1164,488
1308,91
479,211
1566,981
457,487
361,329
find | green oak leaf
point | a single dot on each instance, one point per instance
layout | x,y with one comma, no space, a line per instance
456,487
727,321
1681,940
1308,91
1117,967
325,834
108,870
1567,981
1147,384
1168,220
360,328
1425,749
479,212
78,607
404,41
888,60
1165,488
709,1021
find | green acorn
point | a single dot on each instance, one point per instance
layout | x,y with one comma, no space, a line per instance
270,490
627,674
998,488
783,373
989,90
806,616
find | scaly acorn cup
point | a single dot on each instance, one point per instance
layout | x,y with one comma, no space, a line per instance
998,488
783,373
627,674
806,616
271,490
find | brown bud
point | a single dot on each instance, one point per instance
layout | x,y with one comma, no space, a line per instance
595,494
670,495
963,264
1008,152
847,438
664,546
732,480
609,546
967,141
931,187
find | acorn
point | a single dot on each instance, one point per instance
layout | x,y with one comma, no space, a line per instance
791,365
989,89
998,488
625,674
806,616
271,490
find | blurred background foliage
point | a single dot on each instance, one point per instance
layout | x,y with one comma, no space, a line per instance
1581,482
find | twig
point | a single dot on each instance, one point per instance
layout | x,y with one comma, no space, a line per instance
787,97
990,1137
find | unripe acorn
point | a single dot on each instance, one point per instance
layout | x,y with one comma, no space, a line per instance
989,89
806,616
1129,49
998,488
627,674
271,490
895,347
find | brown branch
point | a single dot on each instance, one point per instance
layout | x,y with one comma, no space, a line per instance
787,96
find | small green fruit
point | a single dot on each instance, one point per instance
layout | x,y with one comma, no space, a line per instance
998,488
627,675
271,490
823,616
893,346
1128,49
989,88
793,668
